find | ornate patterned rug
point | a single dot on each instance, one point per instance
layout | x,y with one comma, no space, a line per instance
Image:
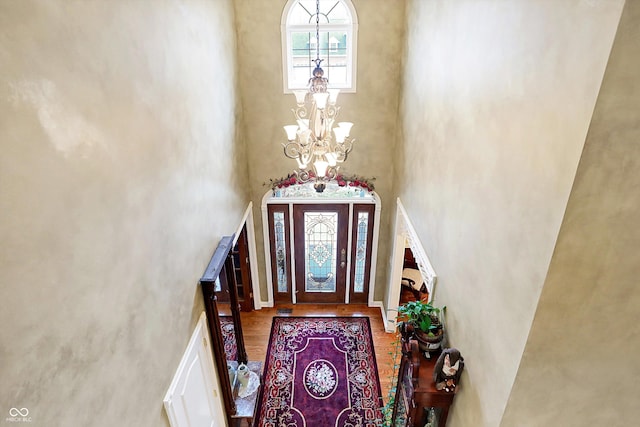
320,371
228,337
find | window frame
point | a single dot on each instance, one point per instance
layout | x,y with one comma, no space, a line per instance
286,32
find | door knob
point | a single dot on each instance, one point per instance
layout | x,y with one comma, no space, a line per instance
343,257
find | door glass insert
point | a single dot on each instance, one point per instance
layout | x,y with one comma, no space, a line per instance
361,251
281,259
320,251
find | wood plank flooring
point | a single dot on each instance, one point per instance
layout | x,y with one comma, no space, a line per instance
256,326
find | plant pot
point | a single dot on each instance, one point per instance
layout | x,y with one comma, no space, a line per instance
428,342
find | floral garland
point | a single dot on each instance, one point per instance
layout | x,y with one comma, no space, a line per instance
355,181
340,179
291,179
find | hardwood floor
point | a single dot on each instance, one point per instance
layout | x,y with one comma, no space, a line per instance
256,326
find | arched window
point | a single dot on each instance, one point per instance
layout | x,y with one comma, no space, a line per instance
338,40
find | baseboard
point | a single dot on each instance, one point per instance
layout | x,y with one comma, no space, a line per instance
389,325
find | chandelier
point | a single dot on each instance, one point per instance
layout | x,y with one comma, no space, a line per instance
311,142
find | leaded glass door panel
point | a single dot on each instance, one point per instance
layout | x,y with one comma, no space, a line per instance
320,236
361,245
280,258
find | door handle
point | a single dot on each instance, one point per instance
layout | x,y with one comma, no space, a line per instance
343,258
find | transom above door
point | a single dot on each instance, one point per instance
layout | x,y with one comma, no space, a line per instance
320,249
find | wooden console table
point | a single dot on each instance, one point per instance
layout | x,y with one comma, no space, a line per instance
417,400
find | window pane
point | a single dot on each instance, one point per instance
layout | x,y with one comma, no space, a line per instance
361,251
281,251
331,11
319,251
333,52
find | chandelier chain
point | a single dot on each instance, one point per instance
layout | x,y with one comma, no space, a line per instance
317,30
310,142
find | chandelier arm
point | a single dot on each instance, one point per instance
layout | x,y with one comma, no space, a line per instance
332,111
293,150
332,172
303,175
300,113
348,145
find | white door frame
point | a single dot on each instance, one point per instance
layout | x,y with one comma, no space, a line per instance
247,219
405,236
269,198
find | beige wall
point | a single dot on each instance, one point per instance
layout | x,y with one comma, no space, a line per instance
119,173
580,361
373,108
497,101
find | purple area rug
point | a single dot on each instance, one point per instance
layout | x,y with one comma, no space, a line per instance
320,372
228,337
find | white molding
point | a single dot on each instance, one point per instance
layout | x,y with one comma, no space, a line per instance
292,258
397,260
267,251
424,264
405,236
247,219
268,199
374,249
389,325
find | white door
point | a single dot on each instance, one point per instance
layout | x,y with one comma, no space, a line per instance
194,398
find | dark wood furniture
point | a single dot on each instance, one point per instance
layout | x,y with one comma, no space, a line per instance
242,271
221,271
412,278
417,400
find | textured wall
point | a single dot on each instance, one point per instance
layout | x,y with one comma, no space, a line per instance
497,101
580,360
119,173
373,108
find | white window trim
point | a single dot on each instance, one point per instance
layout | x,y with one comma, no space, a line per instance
352,34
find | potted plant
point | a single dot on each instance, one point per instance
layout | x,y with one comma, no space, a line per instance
424,319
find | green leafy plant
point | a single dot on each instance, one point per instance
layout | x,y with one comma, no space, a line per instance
423,315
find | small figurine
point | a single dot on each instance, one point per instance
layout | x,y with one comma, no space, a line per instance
448,369
243,375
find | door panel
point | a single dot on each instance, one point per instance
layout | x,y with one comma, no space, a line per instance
280,257
320,239
193,399
361,242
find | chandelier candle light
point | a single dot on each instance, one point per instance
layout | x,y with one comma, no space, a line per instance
311,142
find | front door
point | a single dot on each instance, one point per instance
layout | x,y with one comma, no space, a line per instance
320,239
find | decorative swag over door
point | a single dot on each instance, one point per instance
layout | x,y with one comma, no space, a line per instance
320,248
